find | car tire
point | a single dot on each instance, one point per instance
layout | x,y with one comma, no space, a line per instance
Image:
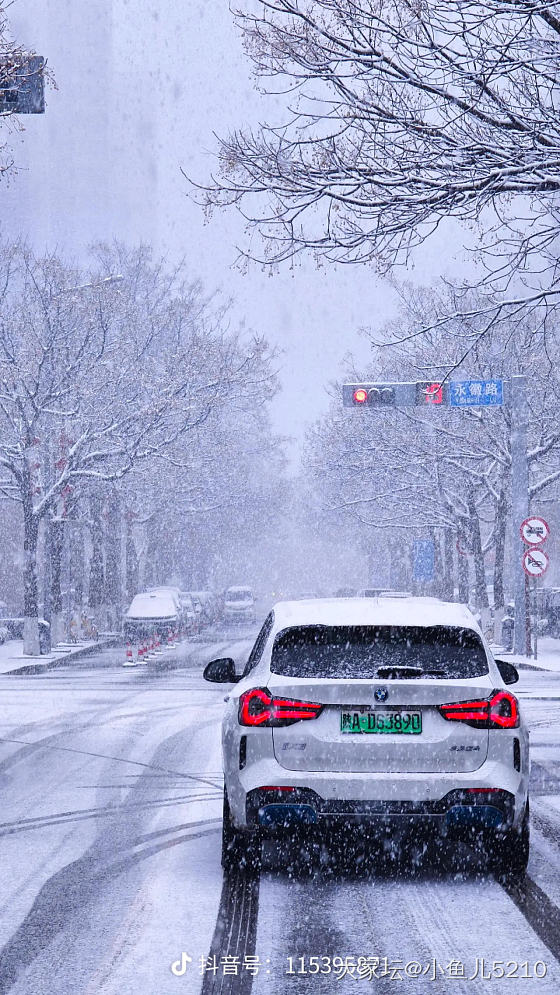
509,854
240,851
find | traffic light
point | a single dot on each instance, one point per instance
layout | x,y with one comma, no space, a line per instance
431,393
369,395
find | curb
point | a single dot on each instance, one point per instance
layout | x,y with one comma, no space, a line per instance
62,661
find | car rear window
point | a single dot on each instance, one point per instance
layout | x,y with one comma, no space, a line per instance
244,595
385,651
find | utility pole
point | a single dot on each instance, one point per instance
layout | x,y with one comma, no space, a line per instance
519,503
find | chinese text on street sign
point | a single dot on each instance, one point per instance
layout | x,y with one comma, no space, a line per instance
476,393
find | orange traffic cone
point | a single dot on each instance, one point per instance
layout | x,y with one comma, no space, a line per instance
129,660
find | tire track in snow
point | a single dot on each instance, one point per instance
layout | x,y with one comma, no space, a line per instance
235,932
540,912
435,913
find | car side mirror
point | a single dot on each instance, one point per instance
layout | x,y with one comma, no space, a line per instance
509,673
221,671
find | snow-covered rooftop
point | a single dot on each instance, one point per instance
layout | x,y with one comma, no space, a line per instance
373,611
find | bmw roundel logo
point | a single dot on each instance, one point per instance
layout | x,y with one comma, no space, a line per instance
381,694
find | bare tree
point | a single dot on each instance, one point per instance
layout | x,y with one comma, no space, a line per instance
422,470
100,374
400,114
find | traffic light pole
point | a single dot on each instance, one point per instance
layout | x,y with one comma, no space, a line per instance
456,394
519,504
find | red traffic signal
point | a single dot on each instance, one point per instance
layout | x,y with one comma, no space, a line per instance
371,395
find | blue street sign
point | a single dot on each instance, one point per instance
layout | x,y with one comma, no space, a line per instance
476,393
424,558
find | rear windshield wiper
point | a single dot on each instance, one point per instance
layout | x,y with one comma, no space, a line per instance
398,672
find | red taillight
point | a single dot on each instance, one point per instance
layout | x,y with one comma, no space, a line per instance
504,710
254,707
473,712
500,710
257,707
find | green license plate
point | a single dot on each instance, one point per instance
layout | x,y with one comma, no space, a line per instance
409,723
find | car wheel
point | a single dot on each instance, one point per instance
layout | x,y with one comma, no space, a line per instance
240,851
509,854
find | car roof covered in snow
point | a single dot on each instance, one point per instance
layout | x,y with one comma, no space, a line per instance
373,611
153,604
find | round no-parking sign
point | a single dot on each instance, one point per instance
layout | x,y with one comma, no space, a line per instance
534,530
535,562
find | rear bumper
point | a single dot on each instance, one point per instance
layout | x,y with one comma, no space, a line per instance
457,812
438,802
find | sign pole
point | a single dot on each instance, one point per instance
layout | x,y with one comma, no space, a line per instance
528,640
519,504
536,616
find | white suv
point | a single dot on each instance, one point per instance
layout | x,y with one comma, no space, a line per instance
383,712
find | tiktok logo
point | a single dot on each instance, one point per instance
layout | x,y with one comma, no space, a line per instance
179,967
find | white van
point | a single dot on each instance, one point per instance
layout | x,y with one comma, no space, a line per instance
239,605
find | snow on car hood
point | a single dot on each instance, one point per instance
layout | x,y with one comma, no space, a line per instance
155,605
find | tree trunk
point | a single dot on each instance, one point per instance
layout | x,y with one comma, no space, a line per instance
31,646
438,582
77,561
113,592
463,577
132,572
481,594
56,544
499,550
448,572
96,571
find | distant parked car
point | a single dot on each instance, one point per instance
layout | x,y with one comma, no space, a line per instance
189,615
151,612
207,604
239,605
198,609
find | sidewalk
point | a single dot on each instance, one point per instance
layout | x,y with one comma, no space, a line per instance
12,660
548,656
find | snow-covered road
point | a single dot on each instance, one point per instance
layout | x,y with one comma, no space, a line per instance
111,813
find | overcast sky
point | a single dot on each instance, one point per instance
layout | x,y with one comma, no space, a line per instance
141,87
